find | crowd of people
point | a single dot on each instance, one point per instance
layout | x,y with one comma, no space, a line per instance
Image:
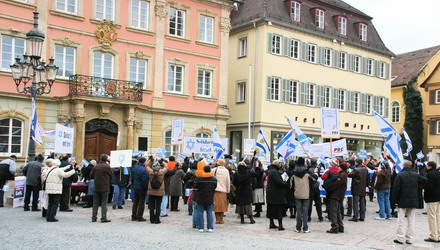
209,188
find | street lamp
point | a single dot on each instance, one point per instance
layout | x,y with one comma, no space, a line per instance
43,76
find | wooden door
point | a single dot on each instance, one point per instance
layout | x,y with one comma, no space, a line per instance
97,143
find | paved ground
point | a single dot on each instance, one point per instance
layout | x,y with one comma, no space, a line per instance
28,230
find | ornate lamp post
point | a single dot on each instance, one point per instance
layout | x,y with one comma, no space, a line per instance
42,75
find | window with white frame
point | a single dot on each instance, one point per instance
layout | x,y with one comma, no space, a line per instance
138,71
276,44
103,64
11,136
241,92
206,32
294,49
437,96
356,102
105,9
357,64
177,22
341,100
204,82
370,63
65,58
242,47
296,11
170,149
311,55
395,112
69,6
175,78
12,47
139,14
292,92
342,25
327,97
203,135
275,90
363,32
343,60
368,104
310,96
319,18
328,57
381,69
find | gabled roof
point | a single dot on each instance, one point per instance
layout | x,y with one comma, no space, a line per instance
277,12
409,64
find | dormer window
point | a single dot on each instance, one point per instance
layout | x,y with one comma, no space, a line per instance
319,18
295,11
363,32
342,26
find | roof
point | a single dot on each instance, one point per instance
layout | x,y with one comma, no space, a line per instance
406,65
277,12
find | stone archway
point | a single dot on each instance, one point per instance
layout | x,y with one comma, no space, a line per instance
100,138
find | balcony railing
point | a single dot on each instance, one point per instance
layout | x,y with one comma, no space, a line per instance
104,87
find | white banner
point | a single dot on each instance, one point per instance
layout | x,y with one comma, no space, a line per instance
323,149
19,190
202,145
249,145
177,132
330,123
120,158
64,139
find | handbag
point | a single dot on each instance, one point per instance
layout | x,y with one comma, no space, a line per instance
45,180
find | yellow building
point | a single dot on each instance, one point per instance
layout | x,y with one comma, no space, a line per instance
306,55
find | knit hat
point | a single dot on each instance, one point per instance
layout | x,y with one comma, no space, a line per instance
142,160
334,163
344,165
56,163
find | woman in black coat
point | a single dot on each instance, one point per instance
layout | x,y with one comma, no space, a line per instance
243,192
275,196
289,192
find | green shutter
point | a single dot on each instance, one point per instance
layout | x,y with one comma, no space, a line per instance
386,100
376,68
335,99
336,59
350,62
286,46
321,55
319,96
363,103
375,103
304,48
387,71
268,89
269,42
364,65
302,93
283,90
349,100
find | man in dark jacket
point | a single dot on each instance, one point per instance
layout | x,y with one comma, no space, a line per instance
32,171
432,199
204,198
335,194
67,185
86,178
139,180
351,167
405,194
120,180
102,174
360,181
315,194
8,169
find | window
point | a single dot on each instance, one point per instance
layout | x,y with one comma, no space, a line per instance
342,25
343,60
326,100
138,71
102,65
204,82
310,96
65,58
296,11
294,49
11,134
292,92
311,56
341,99
276,44
241,92
139,14
275,89
203,135
319,18
68,6
437,96
170,149
206,32
381,69
175,78
11,48
105,9
357,64
328,57
368,103
177,22
356,102
363,32
395,112
370,67
242,44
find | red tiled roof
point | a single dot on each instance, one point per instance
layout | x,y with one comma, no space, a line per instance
406,65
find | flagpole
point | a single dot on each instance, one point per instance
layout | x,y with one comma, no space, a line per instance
331,147
307,153
249,101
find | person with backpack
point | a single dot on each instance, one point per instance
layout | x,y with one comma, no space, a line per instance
156,189
360,181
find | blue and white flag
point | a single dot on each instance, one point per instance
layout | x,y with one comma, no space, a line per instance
85,162
420,155
36,129
392,142
305,141
428,155
261,142
217,146
181,157
51,133
408,142
287,145
377,149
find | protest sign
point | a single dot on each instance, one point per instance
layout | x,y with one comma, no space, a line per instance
339,148
64,139
177,132
249,146
201,145
330,123
120,158
19,189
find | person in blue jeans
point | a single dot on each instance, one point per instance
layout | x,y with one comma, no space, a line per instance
204,199
120,180
382,187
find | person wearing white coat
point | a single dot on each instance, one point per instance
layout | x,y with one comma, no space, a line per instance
223,188
53,179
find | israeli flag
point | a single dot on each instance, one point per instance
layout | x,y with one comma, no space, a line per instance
85,162
36,129
420,155
181,157
261,142
408,142
302,138
287,145
377,149
218,147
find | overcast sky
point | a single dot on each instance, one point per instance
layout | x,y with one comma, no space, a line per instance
404,25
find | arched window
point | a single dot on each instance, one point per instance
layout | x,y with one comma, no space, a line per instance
170,149
203,135
395,111
11,136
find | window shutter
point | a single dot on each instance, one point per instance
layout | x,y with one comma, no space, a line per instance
319,95
387,71
363,103
302,93
283,91
335,99
268,89
349,100
386,111
376,68
269,42
376,104
336,59
432,127
364,65
286,47
304,48
432,97
350,62
321,55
